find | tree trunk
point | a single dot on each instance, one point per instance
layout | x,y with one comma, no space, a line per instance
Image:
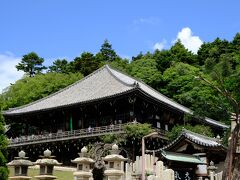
232,161
236,167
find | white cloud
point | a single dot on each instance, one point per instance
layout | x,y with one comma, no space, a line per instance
8,71
159,45
189,41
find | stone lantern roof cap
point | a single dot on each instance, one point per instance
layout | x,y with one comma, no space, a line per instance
84,157
85,160
114,157
21,160
47,161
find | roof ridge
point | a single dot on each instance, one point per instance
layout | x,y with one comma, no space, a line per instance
57,92
109,68
119,71
184,131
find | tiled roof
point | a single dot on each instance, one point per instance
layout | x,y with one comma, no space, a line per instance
197,139
103,83
97,85
187,158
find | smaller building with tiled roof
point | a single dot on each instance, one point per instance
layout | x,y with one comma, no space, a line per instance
199,141
192,148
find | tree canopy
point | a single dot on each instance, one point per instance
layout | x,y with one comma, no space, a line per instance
31,64
200,129
146,70
29,89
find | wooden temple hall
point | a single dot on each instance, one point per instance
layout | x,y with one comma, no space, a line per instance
96,105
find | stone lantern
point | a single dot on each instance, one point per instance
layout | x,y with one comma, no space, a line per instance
20,165
46,164
113,164
212,170
83,162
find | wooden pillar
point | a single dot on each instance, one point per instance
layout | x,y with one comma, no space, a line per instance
131,101
27,127
71,122
81,118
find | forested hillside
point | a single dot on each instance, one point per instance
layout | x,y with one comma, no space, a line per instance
175,72
207,82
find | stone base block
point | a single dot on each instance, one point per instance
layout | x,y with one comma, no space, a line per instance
45,177
20,178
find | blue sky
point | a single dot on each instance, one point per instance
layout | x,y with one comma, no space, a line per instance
66,28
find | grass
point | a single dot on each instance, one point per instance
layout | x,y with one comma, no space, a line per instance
61,175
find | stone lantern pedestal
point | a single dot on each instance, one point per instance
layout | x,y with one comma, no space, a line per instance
83,162
20,165
46,164
114,160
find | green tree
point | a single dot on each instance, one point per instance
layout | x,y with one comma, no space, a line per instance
236,43
31,64
134,133
29,89
146,70
163,59
86,63
200,129
225,80
121,65
209,53
3,150
179,78
106,52
137,131
180,84
178,53
59,66
113,138
139,56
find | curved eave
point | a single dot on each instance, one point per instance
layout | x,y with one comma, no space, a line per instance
220,147
5,113
206,120
215,123
183,136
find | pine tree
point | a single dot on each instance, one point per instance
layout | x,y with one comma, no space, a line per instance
106,52
31,63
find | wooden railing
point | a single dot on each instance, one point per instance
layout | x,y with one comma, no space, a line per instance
70,135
